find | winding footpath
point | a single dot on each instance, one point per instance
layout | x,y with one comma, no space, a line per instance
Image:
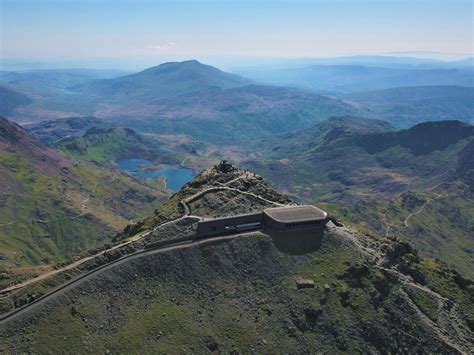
448,327
427,202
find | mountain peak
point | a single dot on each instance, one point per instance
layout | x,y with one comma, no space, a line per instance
422,138
187,64
166,80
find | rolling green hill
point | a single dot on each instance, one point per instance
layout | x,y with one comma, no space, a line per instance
53,207
107,145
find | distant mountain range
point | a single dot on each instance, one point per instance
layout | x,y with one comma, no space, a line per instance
355,78
211,105
206,103
39,81
407,106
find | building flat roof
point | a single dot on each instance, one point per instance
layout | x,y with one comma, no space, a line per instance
293,214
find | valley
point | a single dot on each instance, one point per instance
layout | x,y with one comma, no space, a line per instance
134,161
341,161
53,207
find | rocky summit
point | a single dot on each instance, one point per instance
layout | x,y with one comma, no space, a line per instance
157,288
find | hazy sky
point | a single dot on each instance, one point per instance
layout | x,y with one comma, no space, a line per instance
156,30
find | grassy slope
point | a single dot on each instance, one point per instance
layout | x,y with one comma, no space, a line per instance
105,146
439,222
52,207
239,303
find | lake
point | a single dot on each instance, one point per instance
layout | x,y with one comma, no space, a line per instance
176,177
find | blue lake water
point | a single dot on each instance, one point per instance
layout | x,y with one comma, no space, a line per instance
176,177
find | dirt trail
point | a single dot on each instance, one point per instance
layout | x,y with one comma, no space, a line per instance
427,202
388,226
449,326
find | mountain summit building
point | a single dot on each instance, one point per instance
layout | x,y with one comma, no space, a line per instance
282,222
294,219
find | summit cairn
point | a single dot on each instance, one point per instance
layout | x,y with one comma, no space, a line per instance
225,167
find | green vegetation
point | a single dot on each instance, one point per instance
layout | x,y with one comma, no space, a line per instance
52,208
437,222
107,145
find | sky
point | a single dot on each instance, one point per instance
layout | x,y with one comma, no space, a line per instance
138,32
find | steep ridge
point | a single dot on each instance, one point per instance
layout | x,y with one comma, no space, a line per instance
421,139
465,168
238,292
53,207
349,163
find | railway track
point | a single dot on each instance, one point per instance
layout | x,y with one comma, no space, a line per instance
161,247
127,258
